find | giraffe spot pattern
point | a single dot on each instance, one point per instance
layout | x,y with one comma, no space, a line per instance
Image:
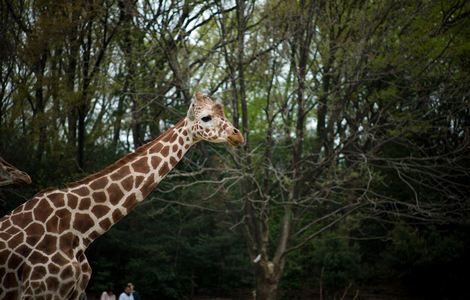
164,169
84,204
72,201
52,219
82,222
99,197
99,183
100,210
141,165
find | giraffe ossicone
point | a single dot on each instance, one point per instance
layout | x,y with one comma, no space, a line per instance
43,241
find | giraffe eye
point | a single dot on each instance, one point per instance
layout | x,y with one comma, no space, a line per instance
206,118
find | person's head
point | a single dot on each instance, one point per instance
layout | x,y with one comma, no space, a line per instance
130,286
109,290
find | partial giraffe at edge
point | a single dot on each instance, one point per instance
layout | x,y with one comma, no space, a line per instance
43,241
9,174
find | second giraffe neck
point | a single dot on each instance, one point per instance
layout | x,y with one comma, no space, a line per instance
101,200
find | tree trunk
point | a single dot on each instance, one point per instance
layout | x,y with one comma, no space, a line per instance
268,274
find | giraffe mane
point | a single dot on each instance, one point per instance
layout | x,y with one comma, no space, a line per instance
112,167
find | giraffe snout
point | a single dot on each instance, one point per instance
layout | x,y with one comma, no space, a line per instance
21,178
236,138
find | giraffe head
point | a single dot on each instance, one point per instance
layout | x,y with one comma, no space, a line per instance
209,122
11,175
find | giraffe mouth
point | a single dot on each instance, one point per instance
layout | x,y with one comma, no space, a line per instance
21,178
236,139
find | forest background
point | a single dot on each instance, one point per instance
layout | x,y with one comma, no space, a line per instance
355,176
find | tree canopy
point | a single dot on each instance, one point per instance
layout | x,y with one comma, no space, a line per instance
353,179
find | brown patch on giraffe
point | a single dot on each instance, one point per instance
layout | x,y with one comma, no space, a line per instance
72,201
156,160
174,148
62,213
100,210
10,230
84,204
48,244
180,141
185,132
16,240
81,191
165,151
14,261
127,183
174,136
59,259
66,241
130,202
64,222
156,148
138,181
52,283
4,255
9,281
23,250
38,272
93,236
21,219
67,272
82,222
115,194
99,197
53,269
33,239
17,210
43,210
120,173
35,232
37,257
117,215
147,188
30,204
4,224
66,289
99,183
166,138
105,224
180,154
141,165
173,161
57,199
164,169
52,224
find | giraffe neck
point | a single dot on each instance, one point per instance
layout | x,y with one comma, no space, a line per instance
99,201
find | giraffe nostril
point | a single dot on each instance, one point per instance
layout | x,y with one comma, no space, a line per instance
235,131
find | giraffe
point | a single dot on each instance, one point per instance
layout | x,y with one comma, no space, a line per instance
11,175
42,242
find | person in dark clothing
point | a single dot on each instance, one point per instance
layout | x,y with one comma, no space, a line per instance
134,292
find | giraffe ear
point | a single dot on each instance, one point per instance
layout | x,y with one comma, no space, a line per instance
191,116
218,109
199,97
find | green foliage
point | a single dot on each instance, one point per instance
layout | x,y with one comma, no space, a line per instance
374,92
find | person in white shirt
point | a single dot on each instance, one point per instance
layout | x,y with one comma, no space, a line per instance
108,294
127,294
